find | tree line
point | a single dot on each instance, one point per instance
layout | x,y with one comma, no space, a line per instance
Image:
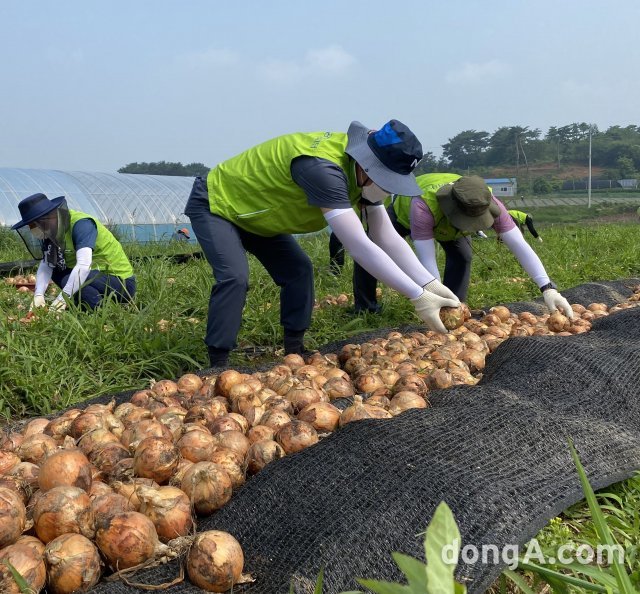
617,150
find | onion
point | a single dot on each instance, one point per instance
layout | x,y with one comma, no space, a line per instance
201,414
13,516
31,541
105,506
242,421
323,416
234,440
11,442
275,419
8,461
129,539
196,446
557,322
28,562
224,423
231,462
169,510
189,383
277,402
439,379
208,487
404,401
336,372
178,475
99,488
594,307
296,436
156,458
359,410
338,387
129,489
225,381
378,399
134,414
260,432
110,458
412,383
134,434
301,395
73,563
293,361
35,427
349,351
308,372
59,428
165,388
369,382
452,317
61,510
17,485
27,472
65,468
215,561
261,453
97,438
35,447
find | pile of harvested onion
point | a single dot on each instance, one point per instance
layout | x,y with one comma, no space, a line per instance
121,486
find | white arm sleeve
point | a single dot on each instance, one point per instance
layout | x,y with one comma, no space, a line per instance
80,271
526,256
383,234
426,249
348,229
43,276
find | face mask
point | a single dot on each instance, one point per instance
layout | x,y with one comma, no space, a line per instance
374,193
37,232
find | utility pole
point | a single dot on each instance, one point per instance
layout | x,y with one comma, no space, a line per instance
589,189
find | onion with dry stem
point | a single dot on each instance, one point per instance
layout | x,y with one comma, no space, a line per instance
208,487
169,510
322,415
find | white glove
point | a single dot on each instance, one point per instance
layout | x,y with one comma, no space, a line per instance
38,301
428,309
58,304
539,239
554,301
437,288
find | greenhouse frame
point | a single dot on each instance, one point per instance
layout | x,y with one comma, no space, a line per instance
138,207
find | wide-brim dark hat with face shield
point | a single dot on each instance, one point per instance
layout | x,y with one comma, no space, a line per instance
468,203
35,207
388,156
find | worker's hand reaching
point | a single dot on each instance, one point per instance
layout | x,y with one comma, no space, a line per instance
38,301
428,309
58,304
436,287
554,301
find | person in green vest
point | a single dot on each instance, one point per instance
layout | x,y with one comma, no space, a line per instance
300,183
76,251
449,209
521,219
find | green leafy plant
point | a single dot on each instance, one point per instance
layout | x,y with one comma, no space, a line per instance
23,586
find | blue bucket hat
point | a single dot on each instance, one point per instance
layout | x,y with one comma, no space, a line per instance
35,207
388,156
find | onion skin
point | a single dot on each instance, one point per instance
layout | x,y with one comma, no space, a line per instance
129,539
107,505
215,561
322,415
13,516
208,487
156,458
260,432
261,453
61,510
34,448
73,563
296,436
69,468
169,510
28,563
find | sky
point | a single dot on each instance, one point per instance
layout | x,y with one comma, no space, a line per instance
93,86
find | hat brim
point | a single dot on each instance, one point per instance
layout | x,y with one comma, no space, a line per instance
392,182
55,203
458,218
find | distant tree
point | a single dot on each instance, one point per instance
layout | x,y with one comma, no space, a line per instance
431,164
166,168
541,185
466,149
626,168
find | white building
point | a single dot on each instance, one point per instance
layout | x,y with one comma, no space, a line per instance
503,187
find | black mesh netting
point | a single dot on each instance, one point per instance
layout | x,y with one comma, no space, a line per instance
496,453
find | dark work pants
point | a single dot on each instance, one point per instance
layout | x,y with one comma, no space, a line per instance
336,255
97,286
225,245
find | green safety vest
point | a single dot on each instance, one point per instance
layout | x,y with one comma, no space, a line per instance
108,255
255,191
430,183
519,216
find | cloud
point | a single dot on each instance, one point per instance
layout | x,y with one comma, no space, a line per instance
474,73
332,60
329,61
209,58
